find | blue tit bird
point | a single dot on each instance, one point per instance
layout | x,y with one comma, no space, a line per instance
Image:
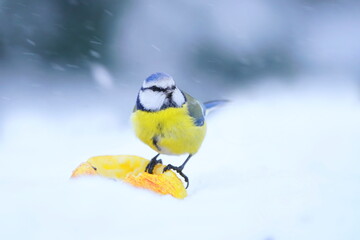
169,120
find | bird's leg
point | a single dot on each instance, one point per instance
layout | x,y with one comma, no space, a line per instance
150,167
179,170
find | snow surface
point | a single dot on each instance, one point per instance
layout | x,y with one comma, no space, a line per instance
279,164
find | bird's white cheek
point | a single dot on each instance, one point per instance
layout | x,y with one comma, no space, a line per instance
178,97
152,100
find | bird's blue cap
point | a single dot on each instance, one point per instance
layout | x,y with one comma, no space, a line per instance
157,76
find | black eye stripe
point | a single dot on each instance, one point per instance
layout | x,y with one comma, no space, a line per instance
154,88
158,89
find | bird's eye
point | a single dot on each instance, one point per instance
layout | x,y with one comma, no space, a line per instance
173,88
156,89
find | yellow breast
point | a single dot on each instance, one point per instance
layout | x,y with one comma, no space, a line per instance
169,131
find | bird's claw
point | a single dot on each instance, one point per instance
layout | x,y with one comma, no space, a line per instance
151,165
179,171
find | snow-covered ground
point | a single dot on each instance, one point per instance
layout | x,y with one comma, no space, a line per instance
278,163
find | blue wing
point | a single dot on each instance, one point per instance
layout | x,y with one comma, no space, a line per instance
196,110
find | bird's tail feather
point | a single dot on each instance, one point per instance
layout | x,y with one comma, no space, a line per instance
212,105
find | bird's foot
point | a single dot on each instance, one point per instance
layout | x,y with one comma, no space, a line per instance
151,165
179,171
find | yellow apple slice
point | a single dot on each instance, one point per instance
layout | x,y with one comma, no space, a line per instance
131,169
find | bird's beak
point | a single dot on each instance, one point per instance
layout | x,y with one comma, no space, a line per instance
169,93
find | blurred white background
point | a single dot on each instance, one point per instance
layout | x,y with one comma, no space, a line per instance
281,161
